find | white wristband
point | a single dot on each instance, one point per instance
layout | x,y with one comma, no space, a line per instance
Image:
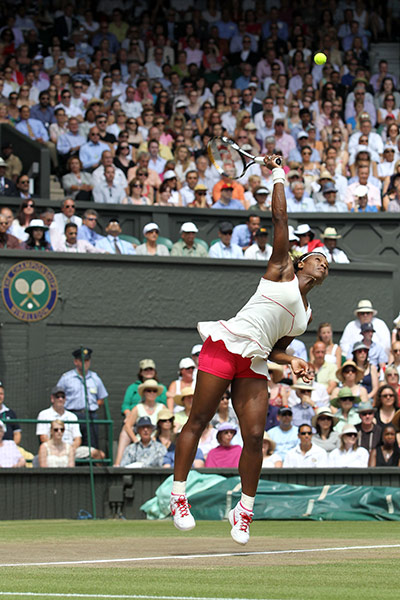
278,175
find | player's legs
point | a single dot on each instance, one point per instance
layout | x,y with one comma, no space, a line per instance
250,401
207,395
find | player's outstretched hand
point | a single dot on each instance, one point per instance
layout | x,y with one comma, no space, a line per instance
303,369
271,161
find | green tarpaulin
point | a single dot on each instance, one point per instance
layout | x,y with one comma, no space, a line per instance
212,496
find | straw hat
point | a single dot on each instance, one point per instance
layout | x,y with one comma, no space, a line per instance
150,384
365,306
348,429
272,444
326,412
350,363
345,392
178,398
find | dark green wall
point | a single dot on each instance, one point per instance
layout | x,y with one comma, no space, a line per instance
128,308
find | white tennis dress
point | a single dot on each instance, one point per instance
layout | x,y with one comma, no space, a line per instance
275,310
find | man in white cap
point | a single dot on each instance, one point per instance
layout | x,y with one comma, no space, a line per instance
187,246
361,200
332,253
362,178
364,313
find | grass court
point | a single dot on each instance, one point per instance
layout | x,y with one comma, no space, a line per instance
284,560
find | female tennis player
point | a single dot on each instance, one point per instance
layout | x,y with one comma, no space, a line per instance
236,352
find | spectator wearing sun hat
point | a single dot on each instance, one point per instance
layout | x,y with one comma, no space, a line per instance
261,196
185,400
150,247
307,240
186,379
146,452
349,454
187,245
225,455
332,253
331,202
224,247
364,313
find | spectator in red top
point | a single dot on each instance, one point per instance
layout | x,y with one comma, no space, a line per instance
307,240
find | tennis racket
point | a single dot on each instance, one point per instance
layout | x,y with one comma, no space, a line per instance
229,159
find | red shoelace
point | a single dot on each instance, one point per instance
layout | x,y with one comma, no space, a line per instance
183,506
245,520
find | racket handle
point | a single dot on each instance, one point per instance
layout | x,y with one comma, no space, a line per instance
259,160
278,161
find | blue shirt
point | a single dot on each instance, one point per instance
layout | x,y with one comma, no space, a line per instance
366,209
85,233
72,383
37,127
46,116
241,236
220,250
90,153
233,205
306,204
227,30
285,440
66,141
99,37
108,244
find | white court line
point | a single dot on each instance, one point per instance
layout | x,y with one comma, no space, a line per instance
193,556
123,596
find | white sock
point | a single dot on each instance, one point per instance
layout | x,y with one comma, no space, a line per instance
247,502
179,488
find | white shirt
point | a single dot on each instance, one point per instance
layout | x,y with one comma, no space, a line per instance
60,221
254,252
315,458
119,177
338,255
375,142
71,110
349,458
132,109
72,430
352,334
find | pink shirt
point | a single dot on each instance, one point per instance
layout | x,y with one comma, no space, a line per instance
224,457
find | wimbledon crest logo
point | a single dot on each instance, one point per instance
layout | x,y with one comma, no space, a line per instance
29,290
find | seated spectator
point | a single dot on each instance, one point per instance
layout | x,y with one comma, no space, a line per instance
90,153
271,459
361,202
70,142
224,412
165,430
303,409
278,389
60,127
7,186
307,240
200,197
146,452
150,247
364,313
10,456
188,189
333,353
261,250
369,433
169,458
387,453
67,215
136,193
77,183
6,239
349,454
98,175
284,434
32,128
332,253
360,355
36,241
392,199
123,158
87,230
305,455
331,202
13,162
226,200
374,196
25,214
300,202
392,379
224,247
238,189
225,455
324,422
71,243
262,202
109,192
112,244
184,399
344,401
244,234
72,433
147,370
186,378
12,431
56,452
188,246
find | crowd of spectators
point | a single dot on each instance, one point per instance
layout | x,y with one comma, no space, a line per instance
349,416
126,95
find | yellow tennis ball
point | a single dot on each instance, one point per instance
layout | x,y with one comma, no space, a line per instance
320,58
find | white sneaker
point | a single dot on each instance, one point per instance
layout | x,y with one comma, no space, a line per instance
180,506
240,519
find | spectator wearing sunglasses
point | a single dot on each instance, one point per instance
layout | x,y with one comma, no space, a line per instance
67,215
350,454
56,452
369,432
305,455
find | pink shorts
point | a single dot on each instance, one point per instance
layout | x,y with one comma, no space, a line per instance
216,359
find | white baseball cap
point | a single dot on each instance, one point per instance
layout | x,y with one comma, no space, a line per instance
150,227
169,175
186,363
188,227
360,191
196,349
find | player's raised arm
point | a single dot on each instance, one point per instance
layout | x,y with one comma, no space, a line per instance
280,267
